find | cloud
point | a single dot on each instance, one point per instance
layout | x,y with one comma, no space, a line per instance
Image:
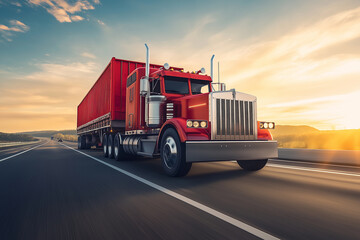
16,4
286,70
64,11
88,55
10,2
46,98
56,72
100,22
77,18
15,26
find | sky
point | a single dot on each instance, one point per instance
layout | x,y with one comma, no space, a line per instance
300,58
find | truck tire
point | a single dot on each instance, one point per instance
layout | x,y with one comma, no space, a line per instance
104,143
79,142
110,145
87,142
83,142
172,154
119,153
252,165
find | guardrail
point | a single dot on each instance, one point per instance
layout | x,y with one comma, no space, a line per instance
341,157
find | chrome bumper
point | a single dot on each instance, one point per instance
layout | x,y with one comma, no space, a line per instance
209,151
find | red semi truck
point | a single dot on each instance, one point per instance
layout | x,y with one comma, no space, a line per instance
150,110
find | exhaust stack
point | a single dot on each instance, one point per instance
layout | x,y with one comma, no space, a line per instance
211,66
147,60
145,87
152,102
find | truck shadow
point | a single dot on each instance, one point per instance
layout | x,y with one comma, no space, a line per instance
200,174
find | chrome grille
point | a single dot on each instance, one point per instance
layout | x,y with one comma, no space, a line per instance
233,116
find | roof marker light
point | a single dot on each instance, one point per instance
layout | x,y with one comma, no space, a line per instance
166,66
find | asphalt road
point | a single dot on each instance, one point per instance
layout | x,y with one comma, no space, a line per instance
54,192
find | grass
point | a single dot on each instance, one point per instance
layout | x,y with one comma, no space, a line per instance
14,137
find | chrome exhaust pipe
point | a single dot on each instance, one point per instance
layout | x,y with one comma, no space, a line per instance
147,61
145,86
211,66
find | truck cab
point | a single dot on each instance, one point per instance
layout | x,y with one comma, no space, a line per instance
180,111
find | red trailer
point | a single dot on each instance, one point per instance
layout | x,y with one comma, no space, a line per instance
103,107
150,110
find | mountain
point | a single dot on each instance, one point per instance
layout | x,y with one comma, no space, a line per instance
293,130
312,138
49,133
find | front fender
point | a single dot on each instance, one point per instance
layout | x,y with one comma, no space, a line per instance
176,124
264,134
185,133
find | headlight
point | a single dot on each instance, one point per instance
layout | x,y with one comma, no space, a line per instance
196,124
267,125
189,123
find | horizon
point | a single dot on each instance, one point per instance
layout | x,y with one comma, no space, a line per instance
301,59
281,125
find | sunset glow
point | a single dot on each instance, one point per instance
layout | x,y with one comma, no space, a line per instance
301,59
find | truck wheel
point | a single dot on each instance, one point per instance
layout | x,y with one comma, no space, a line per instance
87,142
79,142
104,143
110,144
173,155
83,142
119,153
252,165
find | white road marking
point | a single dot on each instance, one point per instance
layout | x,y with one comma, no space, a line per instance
17,154
252,230
313,163
313,170
310,169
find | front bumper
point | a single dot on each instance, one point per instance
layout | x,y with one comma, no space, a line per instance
209,151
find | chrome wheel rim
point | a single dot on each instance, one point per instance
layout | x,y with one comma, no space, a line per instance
170,152
109,149
116,150
105,148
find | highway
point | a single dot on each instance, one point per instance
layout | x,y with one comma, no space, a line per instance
54,191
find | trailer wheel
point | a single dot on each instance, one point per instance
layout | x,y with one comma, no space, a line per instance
79,142
110,144
252,165
173,155
104,143
83,142
87,142
119,153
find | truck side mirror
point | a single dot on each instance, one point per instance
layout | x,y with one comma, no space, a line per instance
144,86
218,87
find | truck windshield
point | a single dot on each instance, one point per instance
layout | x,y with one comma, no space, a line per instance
176,85
198,86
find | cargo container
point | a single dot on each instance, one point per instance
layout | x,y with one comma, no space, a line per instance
104,104
143,109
